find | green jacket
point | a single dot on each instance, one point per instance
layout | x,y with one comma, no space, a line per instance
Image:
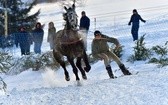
101,46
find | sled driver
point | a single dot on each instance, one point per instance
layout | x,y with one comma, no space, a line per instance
100,50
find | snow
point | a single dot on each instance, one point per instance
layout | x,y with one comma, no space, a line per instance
48,87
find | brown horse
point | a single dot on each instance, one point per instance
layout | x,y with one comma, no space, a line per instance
68,42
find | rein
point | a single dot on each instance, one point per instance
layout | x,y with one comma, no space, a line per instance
71,42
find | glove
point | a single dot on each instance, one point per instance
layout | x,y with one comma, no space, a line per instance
144,21
129,23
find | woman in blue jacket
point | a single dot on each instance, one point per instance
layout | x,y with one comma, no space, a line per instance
135,24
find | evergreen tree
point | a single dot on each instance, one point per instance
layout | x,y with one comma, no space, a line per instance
140,51
18,15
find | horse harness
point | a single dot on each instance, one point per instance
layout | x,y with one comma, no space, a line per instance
69,39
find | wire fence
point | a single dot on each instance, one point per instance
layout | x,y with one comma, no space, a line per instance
116,23
119,20
113,20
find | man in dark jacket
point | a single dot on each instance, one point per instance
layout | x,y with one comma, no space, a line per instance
135,24
23,38
100,50
84,22
84,27
38,34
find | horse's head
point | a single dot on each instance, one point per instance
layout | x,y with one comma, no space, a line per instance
70,17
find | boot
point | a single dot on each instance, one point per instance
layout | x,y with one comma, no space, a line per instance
124,70
109,71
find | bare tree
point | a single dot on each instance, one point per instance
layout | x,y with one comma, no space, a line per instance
69,2
63,2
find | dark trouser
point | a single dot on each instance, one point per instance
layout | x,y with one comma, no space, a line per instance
134,32
37,47
25,49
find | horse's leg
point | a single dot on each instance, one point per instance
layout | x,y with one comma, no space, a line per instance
86,61
57,57
75,70
79,65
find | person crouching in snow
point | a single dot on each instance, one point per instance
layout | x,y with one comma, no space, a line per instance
100,50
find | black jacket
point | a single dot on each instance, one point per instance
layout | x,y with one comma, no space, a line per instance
135,19
84,23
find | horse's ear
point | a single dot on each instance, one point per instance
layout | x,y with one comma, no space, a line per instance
73,6
65,8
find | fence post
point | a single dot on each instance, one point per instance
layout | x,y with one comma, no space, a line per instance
94,23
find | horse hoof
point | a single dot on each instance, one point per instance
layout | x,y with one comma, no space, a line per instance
67,79
84,77
87,69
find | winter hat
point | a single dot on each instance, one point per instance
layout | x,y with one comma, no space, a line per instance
83,13
97,32
134,10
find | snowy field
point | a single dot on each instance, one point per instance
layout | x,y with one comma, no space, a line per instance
148,87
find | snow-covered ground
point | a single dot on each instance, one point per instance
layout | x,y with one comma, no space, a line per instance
148,87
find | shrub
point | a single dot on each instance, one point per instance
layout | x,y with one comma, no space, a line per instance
161,55
5,62
34,61
118,51
140,51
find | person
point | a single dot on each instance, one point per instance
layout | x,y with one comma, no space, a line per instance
51,33
135,24
84,26
38,34
24,40
100,51
84,22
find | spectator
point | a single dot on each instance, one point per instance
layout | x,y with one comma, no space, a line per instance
51,33
23,38
38,34
100,50
84,26
84,22
135,24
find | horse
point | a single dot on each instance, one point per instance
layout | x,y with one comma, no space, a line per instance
69,43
